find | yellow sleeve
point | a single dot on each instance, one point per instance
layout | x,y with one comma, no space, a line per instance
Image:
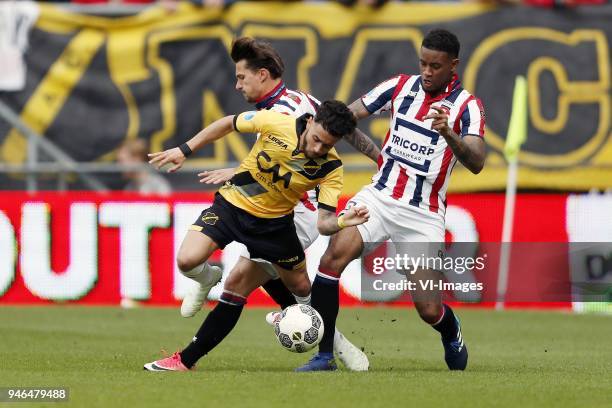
330,189
253,121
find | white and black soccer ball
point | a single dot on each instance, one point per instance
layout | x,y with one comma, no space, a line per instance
299,328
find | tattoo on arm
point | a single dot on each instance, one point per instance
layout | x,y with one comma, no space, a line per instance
358,139
364,144
471,153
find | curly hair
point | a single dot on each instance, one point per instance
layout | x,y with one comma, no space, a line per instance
336,118
442,40
258,54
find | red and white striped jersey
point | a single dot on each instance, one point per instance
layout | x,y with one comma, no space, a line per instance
289,102
415,161
293,103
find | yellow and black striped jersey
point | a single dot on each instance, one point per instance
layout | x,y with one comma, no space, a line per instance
274,176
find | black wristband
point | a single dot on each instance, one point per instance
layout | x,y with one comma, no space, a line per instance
185,149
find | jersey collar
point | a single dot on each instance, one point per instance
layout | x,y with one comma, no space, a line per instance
452,85
269,99
300,127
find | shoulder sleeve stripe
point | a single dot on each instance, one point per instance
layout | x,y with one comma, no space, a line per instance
482,117
285,103
379,98
465,122
474,125
460,124
380,101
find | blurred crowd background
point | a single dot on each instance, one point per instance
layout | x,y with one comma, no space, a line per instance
348,3
81,78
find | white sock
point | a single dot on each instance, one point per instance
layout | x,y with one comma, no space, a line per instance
199,273
302,300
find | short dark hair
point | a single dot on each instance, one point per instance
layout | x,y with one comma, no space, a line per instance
258,54
336,118
442,40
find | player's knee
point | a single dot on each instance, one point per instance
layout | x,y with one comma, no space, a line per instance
342,249
332,260
301,288
185,262
429,311
234,282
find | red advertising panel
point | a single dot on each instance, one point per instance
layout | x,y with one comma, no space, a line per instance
88,248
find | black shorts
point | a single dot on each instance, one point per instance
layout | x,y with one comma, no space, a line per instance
272,239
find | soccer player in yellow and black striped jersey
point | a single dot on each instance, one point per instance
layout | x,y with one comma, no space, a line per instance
255,207
273,177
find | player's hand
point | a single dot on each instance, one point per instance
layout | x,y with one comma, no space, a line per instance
174,156
440,120
218,176
356,215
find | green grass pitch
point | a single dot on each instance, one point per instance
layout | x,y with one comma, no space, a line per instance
517,359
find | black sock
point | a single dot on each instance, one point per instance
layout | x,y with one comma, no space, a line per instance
448,325
279,293
325,299
217,325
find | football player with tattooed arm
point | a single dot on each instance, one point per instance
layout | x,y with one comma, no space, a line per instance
259,71
290,157
433,123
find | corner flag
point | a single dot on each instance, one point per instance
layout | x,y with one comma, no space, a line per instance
517,130
517,134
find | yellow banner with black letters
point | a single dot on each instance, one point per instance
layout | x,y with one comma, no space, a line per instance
93,82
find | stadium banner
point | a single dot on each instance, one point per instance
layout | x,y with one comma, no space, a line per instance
94,81
88,248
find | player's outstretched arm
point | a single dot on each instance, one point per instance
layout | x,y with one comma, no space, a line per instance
329,224
217,176
177,155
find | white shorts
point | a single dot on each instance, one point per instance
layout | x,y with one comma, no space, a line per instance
306,226
395,220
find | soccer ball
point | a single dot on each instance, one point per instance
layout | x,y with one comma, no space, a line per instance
299,328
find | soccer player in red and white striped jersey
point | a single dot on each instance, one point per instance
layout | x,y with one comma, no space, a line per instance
416,160
433,123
